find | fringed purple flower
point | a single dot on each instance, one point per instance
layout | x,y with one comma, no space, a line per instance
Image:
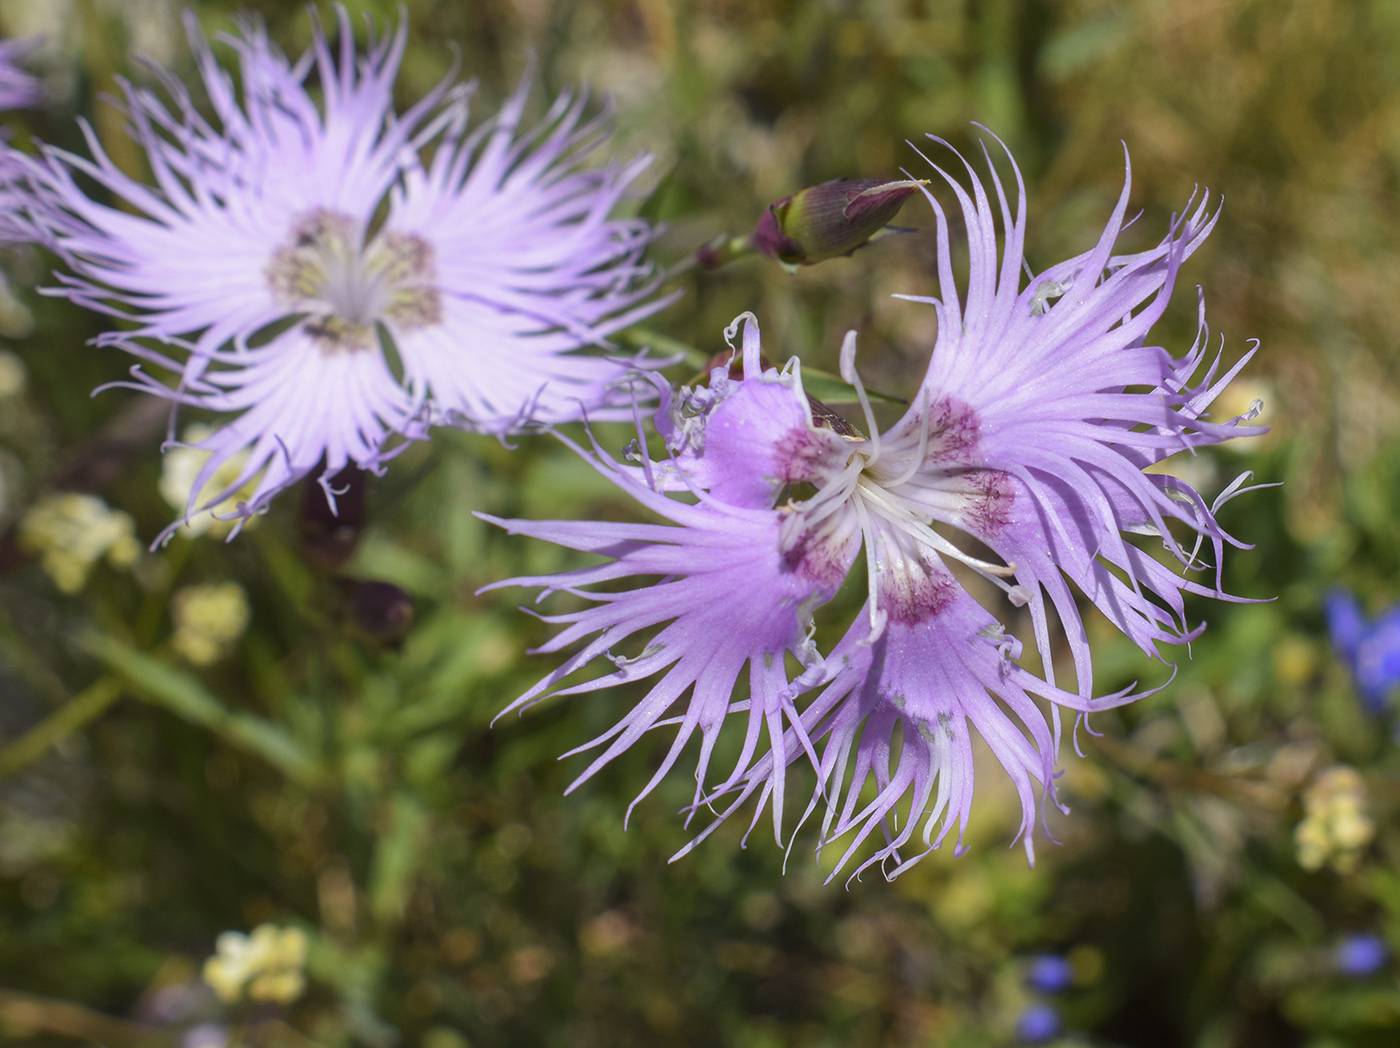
1041,408
305,271
728,590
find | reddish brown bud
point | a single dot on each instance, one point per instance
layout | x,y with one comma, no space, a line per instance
329,535
379,613
829,220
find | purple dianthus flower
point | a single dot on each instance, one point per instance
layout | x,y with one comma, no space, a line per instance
292,256
1030,435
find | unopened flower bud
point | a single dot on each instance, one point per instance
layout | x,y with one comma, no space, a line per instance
379,612
332,517
829,220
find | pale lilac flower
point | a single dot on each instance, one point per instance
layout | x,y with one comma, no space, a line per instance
18,89
731,593
292,254
1042,405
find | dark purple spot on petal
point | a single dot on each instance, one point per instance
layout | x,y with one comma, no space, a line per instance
804,455
915,596
989,508
953,432
817,559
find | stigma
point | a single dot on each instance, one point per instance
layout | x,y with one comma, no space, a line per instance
346,284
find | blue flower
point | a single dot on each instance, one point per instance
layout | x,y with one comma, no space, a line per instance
1371,649
1049,973
1038,1023
1361,955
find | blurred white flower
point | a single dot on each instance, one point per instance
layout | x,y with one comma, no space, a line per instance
266,965
179,469
1335,826
205,1035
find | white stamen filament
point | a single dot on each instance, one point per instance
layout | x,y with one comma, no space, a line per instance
918,459
875,505
849,374
347,285
899,518
878,618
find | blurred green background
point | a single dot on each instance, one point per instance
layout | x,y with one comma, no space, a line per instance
319,774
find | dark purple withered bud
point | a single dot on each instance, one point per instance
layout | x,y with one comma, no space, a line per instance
330,524
829,220
378,612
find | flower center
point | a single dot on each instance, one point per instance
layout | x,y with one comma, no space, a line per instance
894,486
346,286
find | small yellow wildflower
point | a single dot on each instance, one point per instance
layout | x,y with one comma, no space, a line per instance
13,377
266,965
70,532
179,470
208,621
15,319
1335,826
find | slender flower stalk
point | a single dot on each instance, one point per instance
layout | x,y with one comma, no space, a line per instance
308,275
1028,440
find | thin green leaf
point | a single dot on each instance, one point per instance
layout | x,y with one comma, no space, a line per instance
188,699
646,338
832,389
397,857
57,726
823,385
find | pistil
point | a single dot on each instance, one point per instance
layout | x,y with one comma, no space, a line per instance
347,286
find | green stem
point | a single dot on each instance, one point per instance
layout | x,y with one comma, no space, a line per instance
23,1013
720,251
647,338
57,726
